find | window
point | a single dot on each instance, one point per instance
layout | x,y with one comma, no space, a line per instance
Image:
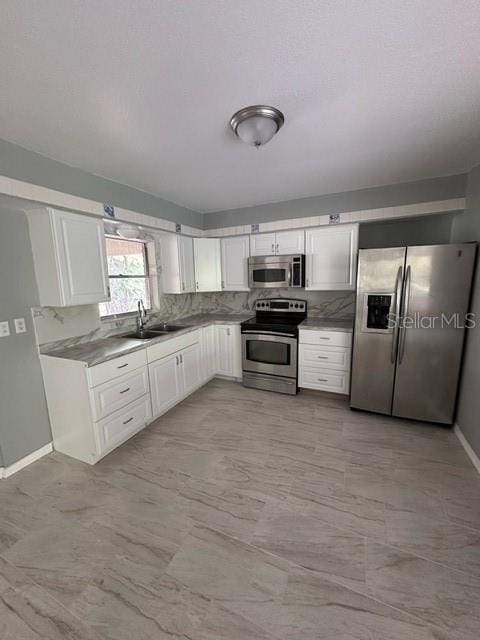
128,277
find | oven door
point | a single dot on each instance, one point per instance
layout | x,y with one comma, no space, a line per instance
271,353
269,276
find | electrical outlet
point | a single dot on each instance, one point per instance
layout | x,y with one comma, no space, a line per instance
4,329
20,326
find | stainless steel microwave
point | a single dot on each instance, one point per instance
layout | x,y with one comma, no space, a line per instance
268,272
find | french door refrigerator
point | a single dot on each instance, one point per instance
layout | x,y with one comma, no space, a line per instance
409,329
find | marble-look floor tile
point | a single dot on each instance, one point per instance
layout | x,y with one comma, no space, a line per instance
62,558
362,516
225,569
221,624
313,608
220,507
124,603
27,612
311,543
439,595
245,514
258,478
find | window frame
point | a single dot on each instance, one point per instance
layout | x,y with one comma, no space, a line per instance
146,277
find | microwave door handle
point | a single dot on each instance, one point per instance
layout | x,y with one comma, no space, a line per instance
289,280
396,307
406,300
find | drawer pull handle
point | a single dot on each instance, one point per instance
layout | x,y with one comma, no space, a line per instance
123,365
125,390
322,357
323,338
127,421
322,380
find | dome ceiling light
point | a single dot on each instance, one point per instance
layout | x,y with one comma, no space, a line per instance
256,125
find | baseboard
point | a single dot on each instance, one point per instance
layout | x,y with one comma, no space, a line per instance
469,451
6,472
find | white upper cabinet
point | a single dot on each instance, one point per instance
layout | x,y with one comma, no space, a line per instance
262,244
177,263
208,276
290,242
331,257
279,243
70,258
235,253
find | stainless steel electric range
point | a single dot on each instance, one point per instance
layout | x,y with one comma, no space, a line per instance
270,345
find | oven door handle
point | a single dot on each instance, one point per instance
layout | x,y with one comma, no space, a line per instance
269,333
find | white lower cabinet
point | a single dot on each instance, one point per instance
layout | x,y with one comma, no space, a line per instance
190,376
324,359
229,352
123,424
95,409
176,375
208,352
164,384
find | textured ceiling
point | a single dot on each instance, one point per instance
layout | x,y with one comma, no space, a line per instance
141,92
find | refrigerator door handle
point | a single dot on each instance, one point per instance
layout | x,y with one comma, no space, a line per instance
406,299
396,305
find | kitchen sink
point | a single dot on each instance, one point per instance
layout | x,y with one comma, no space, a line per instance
144,335
154,331
168,328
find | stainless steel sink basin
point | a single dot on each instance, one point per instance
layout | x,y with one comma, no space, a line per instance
144,335
168,328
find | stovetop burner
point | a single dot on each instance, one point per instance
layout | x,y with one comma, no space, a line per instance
277,315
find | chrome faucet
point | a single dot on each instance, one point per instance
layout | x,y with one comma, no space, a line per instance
141,316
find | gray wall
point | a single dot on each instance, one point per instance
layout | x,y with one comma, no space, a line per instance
388,196
467,228
24,424
18,163
398,233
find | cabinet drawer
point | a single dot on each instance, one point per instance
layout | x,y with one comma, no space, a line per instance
324,379
122,424
324,357
113,395
162,349
326,338
106,371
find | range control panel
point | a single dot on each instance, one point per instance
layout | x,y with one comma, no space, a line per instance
281,304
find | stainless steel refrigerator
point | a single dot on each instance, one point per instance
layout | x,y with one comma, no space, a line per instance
409,329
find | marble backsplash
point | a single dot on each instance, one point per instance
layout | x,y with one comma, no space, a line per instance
83,324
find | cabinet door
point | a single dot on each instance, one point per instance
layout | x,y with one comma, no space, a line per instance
225,355
165,383
187,270
82,263
262,244
235,254
209,353
290,242
207,264
190,368
331,257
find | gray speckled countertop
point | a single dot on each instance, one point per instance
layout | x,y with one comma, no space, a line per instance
328,324
98,351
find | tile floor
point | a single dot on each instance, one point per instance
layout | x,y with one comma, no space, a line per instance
243,514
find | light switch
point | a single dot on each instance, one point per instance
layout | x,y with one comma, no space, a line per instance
4,329
20,326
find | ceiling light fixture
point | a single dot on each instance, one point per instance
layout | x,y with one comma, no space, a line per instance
257,125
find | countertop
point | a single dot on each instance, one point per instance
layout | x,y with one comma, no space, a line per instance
327,324
98,351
